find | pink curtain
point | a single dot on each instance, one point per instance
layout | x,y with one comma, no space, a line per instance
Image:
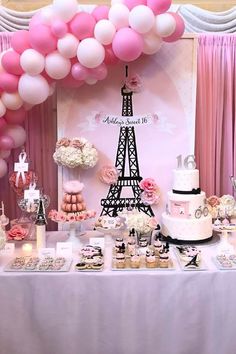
41,132
215,145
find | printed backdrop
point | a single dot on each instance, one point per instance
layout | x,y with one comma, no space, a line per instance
166,102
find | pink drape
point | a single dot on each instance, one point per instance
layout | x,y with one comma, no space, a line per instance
215,145
41,132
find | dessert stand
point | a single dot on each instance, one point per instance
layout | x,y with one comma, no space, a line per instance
74,232
224,246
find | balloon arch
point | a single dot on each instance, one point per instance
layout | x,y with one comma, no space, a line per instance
72,47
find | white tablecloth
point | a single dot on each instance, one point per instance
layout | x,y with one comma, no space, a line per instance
119,312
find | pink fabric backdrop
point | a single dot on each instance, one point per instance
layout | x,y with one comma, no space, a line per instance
215,121
41,131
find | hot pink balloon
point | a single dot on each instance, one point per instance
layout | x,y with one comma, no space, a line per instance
99,73
6,142
79,72
82,25
59,28
127,44
15,117
20,41
3,124
3,168
11,62
110,58
179,29
159,6
9,82
101,12
42,39
69,81
132,3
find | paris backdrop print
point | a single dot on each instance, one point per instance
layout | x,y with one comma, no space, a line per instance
160,123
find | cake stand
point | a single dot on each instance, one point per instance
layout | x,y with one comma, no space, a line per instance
74,232
110,233
224,246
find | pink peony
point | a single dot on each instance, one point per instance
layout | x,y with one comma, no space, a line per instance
77,143
213,201
152,223
150,198
134,83
73,186
148,185
63,142
108,175
17,233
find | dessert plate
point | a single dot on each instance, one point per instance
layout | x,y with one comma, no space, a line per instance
39,268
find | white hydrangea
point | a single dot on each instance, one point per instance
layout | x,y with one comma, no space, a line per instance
141,222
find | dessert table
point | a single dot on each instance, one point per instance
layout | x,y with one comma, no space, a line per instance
133,312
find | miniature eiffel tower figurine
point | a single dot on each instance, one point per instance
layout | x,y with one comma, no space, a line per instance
114,203
40,223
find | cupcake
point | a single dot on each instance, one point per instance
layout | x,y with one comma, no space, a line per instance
164,259
135,261
157,247
150,259
131,245
120,260
119,245
80,266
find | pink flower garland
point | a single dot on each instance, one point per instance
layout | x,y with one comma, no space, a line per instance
151,191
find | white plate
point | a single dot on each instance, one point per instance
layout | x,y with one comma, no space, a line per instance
182,263
65,268
219,266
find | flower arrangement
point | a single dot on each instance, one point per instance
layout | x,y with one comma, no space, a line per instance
60,216
75,152
223,206
134,83
151,191
141,222
108,174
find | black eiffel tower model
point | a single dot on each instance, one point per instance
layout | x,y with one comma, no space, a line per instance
114,203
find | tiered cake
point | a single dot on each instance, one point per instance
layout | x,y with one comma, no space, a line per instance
186,217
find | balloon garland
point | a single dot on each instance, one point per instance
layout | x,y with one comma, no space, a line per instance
72,47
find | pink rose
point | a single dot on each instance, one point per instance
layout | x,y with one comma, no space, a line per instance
213,201
108,175
148,185
17,233
134,83
71,218
61,217
152,223
77,143
150,198
80,217
63,142
52,214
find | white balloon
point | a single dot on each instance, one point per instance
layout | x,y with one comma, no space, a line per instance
165,25
119,15
65,9
91,81
104,31
68,45
33,89
47,14
90,53
56,66
151,43
2,109
141,19
32,62
12,101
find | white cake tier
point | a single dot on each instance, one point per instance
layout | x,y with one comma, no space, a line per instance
185,205
187,229
186,180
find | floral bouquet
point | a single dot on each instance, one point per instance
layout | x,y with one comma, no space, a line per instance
75,152
141,222
221,207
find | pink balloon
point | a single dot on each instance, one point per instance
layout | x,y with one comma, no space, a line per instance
79,72
6,142
3,124
110,58
4,154
9,82
3,168
101,12
20,41
132,3
36,20
127,44
17,133
11,62
179,29
42,39
59,28
15,117
82,25
159,6
69,81
99,73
